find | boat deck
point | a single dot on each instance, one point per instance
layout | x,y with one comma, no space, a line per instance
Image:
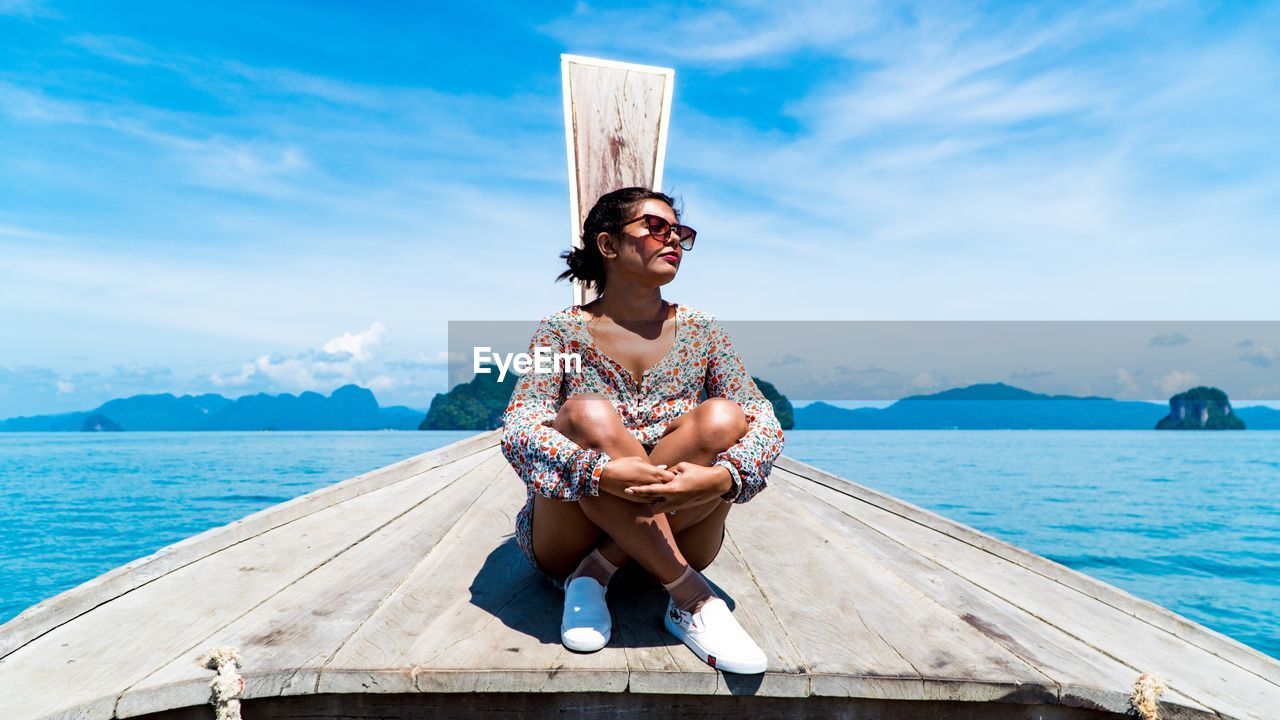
402,591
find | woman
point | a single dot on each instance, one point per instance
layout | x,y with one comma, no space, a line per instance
621,459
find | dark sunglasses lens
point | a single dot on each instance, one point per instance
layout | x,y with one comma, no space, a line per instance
686,235
658,227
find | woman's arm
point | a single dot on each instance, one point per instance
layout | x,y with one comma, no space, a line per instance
750,460
552,464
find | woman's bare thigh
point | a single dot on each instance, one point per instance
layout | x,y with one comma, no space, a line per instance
562,535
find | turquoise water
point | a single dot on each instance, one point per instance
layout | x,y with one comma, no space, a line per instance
1190,521
75,505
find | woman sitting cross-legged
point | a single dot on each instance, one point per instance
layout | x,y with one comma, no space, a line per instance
622,460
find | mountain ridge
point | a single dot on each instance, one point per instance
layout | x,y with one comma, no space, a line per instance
998,406
349,407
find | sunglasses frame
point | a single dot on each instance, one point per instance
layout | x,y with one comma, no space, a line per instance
686,243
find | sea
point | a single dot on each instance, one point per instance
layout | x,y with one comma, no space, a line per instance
1188,520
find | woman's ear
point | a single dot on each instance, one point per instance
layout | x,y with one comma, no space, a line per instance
605,242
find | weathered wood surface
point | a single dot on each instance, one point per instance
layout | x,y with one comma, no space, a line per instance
406,583
616,117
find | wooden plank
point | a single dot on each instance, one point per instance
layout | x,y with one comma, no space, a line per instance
50,613
611,706
1212,641
656,661
473,617
284,642
844,655
879,615
616,118
126,639
659,663
1085,677
1194,672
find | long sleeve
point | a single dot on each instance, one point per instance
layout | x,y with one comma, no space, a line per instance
750,460
549,462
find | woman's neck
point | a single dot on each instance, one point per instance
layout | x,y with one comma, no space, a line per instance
622,306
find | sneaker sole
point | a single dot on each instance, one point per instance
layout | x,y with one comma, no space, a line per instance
706,657
578,647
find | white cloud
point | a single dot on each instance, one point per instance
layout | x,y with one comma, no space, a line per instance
341,360
421,360
26,9
924,380
381,383
1263,356
1125,385
359,346
1167,339
1175,381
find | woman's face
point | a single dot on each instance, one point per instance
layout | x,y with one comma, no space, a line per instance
640,255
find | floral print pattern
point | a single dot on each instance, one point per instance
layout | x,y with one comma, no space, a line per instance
702,357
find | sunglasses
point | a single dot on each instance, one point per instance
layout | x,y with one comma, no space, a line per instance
661,230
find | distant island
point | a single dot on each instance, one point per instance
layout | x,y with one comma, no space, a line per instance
1200,408
475,405
480,403
781,405
350,407
997,406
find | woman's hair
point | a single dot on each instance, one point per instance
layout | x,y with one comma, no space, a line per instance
586,264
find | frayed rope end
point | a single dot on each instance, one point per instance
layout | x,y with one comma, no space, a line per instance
1146,691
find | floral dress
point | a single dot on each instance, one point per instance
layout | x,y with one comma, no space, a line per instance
701,358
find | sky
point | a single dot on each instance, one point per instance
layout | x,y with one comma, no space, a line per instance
276,197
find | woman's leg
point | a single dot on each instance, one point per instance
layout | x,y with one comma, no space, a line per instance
698,436
564,533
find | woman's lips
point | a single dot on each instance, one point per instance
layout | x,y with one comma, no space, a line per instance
671,256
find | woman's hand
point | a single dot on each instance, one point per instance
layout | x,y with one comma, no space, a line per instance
632,471
693,485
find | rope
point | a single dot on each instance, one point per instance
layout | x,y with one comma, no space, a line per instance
1146,690
227,687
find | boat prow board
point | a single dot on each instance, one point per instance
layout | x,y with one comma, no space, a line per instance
616,116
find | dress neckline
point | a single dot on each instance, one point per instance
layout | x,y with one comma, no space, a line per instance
590,341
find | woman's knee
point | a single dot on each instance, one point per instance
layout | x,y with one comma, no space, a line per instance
721,423
587,418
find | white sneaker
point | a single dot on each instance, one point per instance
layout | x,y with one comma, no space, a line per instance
715,636
585,624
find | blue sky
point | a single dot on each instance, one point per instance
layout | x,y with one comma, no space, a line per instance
245,197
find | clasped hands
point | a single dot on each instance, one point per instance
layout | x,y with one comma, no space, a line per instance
666,489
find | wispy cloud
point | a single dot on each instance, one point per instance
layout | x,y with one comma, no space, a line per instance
785,360
1029,374
1168,339
27,9
1263,356
206,202
1175,381
999,143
